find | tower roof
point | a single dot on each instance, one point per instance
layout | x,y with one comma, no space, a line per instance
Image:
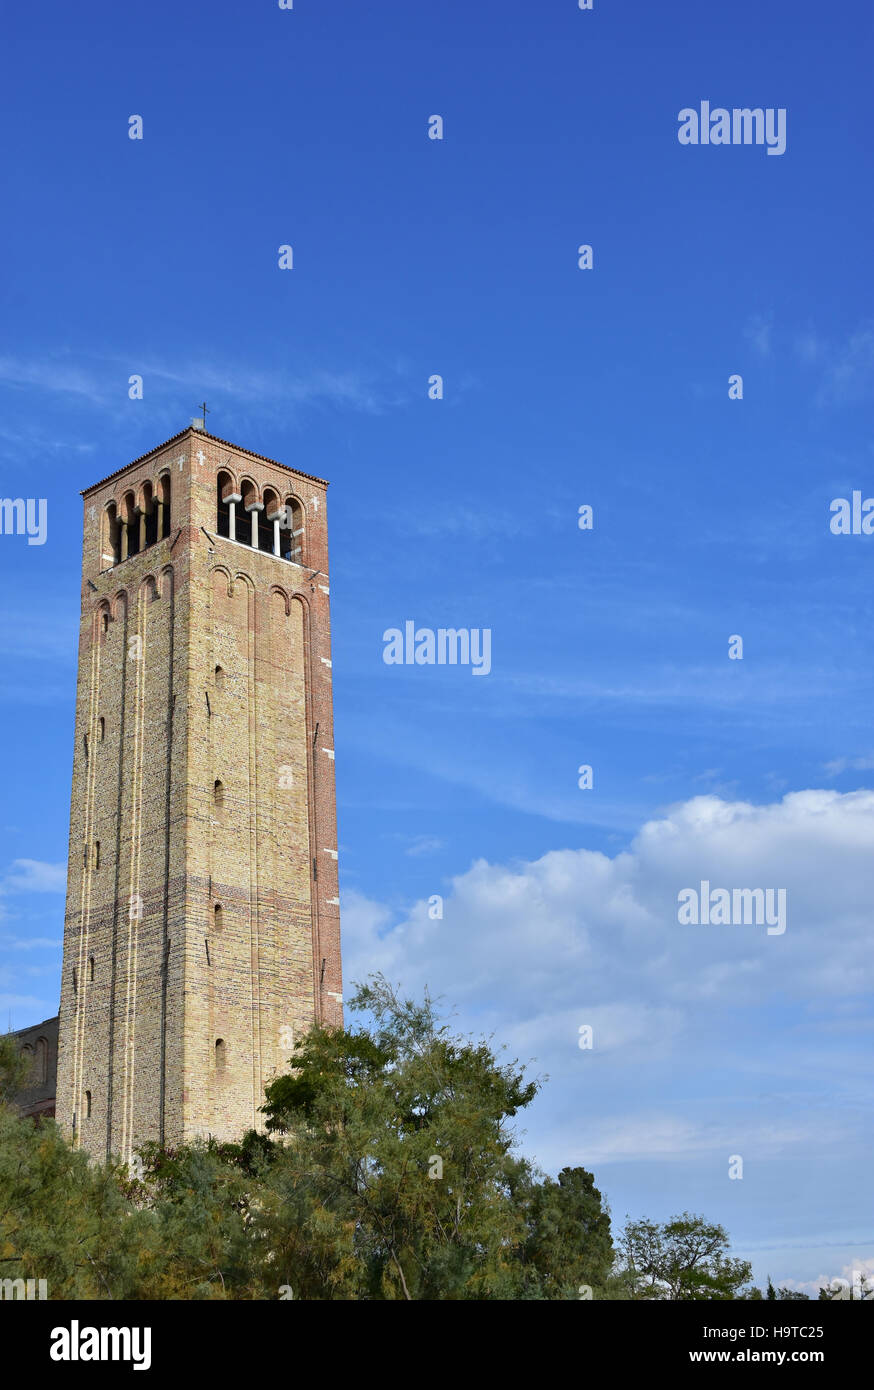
203,434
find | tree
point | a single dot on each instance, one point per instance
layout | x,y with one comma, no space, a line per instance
568,1246
13,1068
686,1258
397,1177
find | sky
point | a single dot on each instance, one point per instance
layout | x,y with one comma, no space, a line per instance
563,387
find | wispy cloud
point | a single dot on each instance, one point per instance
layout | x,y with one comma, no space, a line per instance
52,374
34,876
31,943
839,765
104,382
424,844
846,365
850,373
319,387
758,334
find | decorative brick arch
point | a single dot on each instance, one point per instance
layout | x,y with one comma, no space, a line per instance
223,569
102,610
283,594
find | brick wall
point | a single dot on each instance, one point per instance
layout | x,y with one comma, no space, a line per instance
206,937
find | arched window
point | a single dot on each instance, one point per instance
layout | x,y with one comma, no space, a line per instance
253,510
87,1105
90,967
163,525
268,528
218,917
224,490
101,729
218,795
150,516
111,535
221,1055
131,516
293,531
219,678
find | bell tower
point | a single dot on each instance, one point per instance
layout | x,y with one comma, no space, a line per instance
202,931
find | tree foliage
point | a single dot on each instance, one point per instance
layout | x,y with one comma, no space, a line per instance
684,1258
389,1170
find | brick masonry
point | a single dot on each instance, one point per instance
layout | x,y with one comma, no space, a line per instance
202,931
40,1045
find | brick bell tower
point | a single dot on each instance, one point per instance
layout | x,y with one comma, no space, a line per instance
202,929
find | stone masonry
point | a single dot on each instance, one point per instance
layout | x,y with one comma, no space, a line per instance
202,931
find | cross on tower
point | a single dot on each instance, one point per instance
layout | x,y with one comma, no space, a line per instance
205,413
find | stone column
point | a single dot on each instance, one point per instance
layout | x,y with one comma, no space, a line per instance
276,517
255,508
232,498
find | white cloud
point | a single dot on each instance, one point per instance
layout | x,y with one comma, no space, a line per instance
530,951
839,765
34,876
858,1279
32,943
52,374
424,844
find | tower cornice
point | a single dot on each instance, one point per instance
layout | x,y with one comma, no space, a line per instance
216,439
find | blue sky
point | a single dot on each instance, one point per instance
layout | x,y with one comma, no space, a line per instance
562,387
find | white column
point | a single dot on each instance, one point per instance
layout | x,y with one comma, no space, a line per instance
232,498
276,517
255,508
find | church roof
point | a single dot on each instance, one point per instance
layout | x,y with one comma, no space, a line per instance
205,434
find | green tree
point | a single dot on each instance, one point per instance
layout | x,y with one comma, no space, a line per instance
62,1219
684,1259
397,1177
568,1246
13,1068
